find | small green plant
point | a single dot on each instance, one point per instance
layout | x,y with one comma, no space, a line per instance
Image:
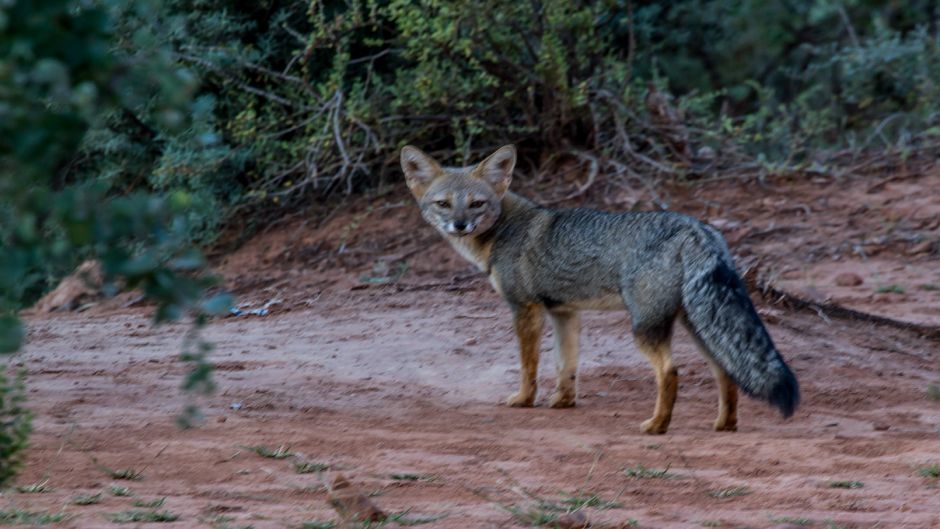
643,472
537,516
317,525
86,499
846,484
35,488
929,471
893,288
929,287
15,420
20,517
933,392
281,452
730,492
579,501
225,522
403,519
152,504
120,491
129,474
131,516
309,467
712,523
791,520
410,477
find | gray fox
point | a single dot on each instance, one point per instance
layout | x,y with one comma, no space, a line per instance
660,266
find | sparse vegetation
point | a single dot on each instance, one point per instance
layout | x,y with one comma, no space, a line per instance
890,289
579,501
35,488
119,491
791,520
318,525
931,471
86,499
642,472
309,467
152,504
846,484
281,452
21,517
410,477
128,474
933,392
730,492
131,516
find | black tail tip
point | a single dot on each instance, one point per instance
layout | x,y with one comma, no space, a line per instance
785,395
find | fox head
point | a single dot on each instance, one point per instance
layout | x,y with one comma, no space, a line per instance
459,201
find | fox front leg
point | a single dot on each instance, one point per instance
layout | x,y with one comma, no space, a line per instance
567,326
528,322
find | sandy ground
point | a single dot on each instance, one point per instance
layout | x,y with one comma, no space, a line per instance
385,358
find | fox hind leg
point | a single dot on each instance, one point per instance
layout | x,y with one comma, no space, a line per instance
656,345
567,326
528,321
727,420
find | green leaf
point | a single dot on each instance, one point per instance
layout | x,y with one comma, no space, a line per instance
11,334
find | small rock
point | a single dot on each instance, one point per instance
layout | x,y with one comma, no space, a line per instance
880,427
351,504
849,279
573,520
471,341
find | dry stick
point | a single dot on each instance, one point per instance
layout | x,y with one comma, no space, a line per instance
825,310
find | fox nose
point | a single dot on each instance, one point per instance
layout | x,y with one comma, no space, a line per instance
460,225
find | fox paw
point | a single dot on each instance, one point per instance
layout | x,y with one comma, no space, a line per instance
521,400
654,426
726,426
562,399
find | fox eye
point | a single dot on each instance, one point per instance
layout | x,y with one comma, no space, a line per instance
442,204
477,204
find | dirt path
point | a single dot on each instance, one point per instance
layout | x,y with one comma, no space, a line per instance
399,387
380,385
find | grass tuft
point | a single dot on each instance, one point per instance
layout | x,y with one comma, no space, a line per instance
730,492
120,491
929,471
20,517
890,289
281,452
35,488
846,484
642,472
86,499
579,501
410,477
152,504
309,467
131,516
791,520
317,525
129,474
933,392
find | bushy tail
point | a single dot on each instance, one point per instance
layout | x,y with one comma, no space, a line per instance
720,314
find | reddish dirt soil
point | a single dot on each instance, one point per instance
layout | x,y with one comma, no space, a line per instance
386,358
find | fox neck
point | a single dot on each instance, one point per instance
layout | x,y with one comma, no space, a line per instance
477,248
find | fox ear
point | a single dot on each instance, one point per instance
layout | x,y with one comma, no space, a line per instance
496,169
419,168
